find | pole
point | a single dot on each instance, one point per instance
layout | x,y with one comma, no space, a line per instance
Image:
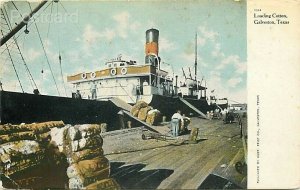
205,90
176,83
183,73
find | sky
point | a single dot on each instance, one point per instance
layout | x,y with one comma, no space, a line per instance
87,34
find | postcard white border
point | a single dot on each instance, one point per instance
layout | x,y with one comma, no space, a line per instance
274,79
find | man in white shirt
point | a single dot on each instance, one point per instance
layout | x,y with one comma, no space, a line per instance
94,90
177,120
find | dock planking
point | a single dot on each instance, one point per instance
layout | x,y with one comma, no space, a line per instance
175,163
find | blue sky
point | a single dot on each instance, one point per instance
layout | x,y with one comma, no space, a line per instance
90,33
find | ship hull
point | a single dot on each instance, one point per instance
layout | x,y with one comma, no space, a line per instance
18,108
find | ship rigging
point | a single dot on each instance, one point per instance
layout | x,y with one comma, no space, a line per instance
11,49
124,79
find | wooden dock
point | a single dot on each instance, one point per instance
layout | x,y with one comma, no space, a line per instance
174,163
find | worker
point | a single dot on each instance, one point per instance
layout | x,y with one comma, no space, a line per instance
208,115
223,113
186,122
36,92
78,95
1,186
211,114
177,120
94,90
216,114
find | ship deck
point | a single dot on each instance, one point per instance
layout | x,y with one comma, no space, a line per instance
174,163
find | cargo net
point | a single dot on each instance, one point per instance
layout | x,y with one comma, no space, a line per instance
54,155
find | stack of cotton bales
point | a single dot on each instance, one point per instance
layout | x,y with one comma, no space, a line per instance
82,144
23,146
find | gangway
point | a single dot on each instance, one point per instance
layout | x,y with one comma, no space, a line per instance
125,109
120,103
192,107
158,129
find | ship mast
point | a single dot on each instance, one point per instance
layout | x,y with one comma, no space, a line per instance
196,62
196,57
183,73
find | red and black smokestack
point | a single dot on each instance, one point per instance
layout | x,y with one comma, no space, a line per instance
151,47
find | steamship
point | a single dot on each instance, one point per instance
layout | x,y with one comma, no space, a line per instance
122,79
132,82
126,80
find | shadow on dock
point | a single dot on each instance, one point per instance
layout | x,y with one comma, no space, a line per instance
131,176
216,182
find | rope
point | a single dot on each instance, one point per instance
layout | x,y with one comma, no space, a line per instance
28,26
42,70
17,9
32,82
11,43
235,101
37,15
27,69
7,18
14,66
126,92
76,25
61,73
45,52
59,55
50,16
23,44
47,6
